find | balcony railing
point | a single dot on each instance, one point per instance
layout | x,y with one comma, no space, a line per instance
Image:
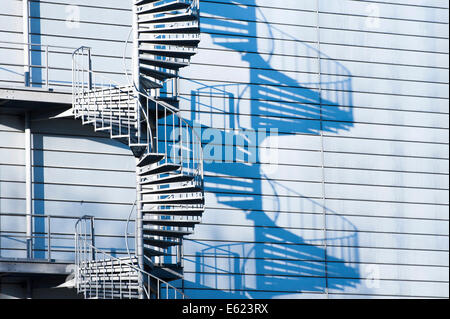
53,237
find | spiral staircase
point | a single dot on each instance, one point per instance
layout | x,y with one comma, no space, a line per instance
169,161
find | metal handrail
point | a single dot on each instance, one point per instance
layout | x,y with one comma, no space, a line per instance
83,246
45,48
143,110
139,106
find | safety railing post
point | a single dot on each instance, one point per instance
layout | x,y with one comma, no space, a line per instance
49,238
89,68
46,67
92,238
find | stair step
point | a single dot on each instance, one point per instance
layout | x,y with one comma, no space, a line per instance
157,74
164,244
168,6
108,287
175,212
171,222
168,64
151,158
166,233
173,190
101,296
180,178
114,262
107,269
182,52
106,96
164,168
95,278
153,252
176,201
176,39
180,27
151,17
149,83
141,2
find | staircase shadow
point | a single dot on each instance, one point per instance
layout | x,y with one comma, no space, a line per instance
289,252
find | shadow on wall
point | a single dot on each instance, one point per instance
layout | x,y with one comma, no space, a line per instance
287,252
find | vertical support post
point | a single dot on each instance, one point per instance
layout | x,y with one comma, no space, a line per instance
135,69
180,253
46,68
92,238
136,83
176,85
89,56
29,187
49,238
322,151
139,233
26,40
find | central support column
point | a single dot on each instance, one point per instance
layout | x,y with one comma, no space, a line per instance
26,40
29,187
136,83
139,230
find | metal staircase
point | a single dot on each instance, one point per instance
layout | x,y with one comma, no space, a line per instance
169,167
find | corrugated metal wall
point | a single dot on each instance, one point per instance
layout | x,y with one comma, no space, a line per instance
358,204
102,25
75,172
358,92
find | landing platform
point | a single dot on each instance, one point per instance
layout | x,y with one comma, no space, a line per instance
35,267
20,99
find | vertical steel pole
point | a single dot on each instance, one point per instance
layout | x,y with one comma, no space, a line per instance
135,67
136,82
89,56
322,151
49,238
26,40
93,238
46,67
139,232
29,186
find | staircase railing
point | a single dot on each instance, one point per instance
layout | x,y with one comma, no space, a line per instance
136,117
99,275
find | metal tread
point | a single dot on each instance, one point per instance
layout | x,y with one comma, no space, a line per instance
184,52
171,222
153,252
175,201
157,74
179,178
167,6
178,27
166,233
175,212
168,64
173,190
150,158
160,243
161,169
152,17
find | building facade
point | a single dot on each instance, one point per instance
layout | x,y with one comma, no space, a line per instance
325,132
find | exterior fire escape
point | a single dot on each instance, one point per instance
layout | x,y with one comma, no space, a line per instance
144,115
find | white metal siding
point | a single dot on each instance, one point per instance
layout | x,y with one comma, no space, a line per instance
75,172
358,206
385,146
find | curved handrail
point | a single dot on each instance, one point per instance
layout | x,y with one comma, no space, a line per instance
112,258
168,106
